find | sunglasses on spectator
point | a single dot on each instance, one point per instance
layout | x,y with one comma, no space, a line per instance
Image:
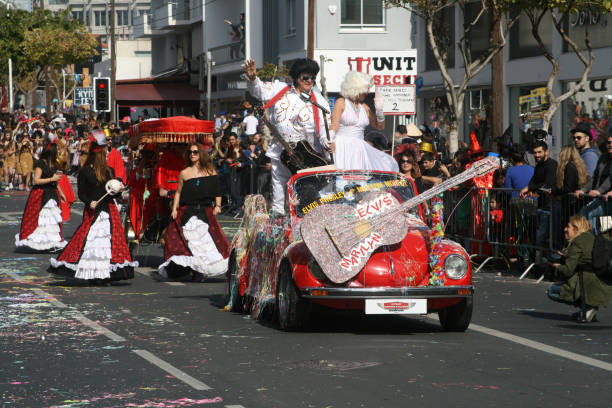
577,137
405,161
194,152
306,78
609,142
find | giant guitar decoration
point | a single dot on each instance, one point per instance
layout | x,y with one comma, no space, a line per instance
341,237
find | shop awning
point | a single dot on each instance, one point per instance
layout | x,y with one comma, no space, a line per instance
157,92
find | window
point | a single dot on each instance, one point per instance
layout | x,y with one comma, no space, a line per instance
290,17
444,26
522,43
122,18
361,13
480,32
100,18
77,15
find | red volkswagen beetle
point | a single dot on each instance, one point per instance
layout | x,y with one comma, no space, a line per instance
272,264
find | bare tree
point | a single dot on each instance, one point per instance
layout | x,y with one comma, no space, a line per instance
560,12
473,63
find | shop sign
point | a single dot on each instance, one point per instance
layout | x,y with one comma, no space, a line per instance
387,68
83,96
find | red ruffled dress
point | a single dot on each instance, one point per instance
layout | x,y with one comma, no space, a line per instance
98,250
41,226
195,243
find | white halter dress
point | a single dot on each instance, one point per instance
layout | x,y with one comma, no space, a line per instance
352,151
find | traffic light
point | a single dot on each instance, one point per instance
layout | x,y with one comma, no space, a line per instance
102,99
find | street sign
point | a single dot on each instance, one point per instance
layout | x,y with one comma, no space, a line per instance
83,96
398,99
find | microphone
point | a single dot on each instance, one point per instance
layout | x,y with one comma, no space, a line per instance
306,98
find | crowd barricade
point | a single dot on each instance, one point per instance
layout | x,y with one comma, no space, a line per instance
499,223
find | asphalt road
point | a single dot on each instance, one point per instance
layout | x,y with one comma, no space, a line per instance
150,344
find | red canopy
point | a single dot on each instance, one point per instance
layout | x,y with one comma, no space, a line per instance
176,129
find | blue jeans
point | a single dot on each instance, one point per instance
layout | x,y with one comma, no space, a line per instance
593,210
542,233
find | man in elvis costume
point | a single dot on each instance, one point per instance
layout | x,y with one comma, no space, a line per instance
295,118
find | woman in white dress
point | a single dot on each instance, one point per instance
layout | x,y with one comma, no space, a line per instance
348,122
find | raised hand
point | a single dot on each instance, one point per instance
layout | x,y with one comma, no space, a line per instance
250,69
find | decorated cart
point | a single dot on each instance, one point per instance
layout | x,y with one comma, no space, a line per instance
160,143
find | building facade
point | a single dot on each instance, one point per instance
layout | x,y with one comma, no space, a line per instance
525,73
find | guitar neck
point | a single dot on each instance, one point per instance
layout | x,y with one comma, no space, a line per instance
440,188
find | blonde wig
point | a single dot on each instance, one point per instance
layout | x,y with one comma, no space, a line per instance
355,83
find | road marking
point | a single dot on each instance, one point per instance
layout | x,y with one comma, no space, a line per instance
76,314
175,283
170,369
49,298
543,347
234,406
536,345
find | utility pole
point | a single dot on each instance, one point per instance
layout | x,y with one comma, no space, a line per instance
113,63
10,62
311,33
209,65
497,82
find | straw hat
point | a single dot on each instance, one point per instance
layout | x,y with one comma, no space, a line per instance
413,131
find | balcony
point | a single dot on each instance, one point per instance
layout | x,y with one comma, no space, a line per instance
142,27
195,11
228,53
171,17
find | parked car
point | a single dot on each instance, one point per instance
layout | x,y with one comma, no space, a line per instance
272,268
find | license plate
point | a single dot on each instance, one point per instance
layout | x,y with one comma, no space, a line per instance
396,306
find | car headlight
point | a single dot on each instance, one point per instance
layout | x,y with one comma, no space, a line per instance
455,266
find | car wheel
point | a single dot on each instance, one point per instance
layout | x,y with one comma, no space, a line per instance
457,317
234,300
293,311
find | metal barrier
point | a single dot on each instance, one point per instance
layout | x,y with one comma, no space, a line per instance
499,223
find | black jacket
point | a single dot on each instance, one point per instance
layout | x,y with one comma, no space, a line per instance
544,176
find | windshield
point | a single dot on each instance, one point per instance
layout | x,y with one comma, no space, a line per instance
346,188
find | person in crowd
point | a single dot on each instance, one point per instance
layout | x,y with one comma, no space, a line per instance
597,292
41,225
519,174
431,171
598,186
571,176
114,160
139,181
295,118
8,168
409,168
460,159
25,163
235,159
499,178
249,125
98,251
349,120
582,140
195,244
540,185
83,149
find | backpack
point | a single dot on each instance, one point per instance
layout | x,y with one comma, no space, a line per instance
602,257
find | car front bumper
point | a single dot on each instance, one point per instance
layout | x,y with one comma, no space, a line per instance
440,292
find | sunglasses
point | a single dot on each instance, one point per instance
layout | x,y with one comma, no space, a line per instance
405,161
194,152
306,78
577,137
609,143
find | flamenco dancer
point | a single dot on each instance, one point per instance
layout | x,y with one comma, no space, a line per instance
195,246
98,251
349,120
294,118
41,225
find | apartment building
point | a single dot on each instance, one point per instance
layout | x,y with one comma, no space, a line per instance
525,72
182,32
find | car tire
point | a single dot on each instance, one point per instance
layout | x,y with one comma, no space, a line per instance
457,317
234,300
293,311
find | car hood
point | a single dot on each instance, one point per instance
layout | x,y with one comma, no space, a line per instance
402,264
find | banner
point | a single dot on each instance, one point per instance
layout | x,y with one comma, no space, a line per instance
386,67
83,96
